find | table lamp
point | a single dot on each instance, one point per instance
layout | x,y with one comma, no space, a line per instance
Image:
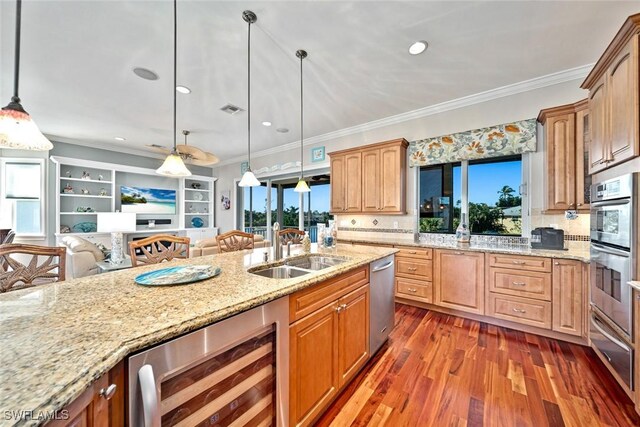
116,223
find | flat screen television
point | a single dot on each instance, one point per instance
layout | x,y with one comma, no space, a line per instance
147,200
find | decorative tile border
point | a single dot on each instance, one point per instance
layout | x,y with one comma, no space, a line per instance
576,238
377,230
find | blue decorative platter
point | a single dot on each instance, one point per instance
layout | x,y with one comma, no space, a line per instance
178,275
85,227
197,222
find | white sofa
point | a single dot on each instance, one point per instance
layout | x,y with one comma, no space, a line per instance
82,256
210,246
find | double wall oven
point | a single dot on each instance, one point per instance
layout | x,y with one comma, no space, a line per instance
613,260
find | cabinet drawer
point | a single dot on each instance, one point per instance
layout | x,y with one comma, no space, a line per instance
521,310
530,263
306,301
420,269
531,284
414,289
409,252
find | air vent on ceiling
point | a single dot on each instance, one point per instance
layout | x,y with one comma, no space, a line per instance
231,109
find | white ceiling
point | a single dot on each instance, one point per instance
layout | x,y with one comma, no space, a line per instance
78,56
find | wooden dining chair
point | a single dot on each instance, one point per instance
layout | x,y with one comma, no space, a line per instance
24,266
235,240
158,248
291,235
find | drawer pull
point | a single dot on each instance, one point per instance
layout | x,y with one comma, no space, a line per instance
414,290
519,310
107,393
413,252
458,253
519,262
412,268
519,284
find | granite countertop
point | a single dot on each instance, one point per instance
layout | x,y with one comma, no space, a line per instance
576,250
56,339
635,284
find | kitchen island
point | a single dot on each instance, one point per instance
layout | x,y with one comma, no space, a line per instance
57,339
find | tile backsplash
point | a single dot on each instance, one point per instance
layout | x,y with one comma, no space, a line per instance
574,229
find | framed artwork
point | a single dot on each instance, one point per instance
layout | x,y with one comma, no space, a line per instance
225,200
244,166
317,154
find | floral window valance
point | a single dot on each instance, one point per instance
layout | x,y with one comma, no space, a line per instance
495,141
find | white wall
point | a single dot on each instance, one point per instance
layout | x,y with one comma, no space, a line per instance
510,108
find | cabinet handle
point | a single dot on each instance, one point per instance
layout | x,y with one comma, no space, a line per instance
519,262
519,284
413,252
338,309
556,263
107,393
414,290
341,307
458,253
412,268
519,310
579,204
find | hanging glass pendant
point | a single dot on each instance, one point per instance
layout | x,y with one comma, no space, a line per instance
302,187
249,180
173,166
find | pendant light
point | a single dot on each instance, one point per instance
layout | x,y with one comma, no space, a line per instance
302,186
249,179
173,165
17,128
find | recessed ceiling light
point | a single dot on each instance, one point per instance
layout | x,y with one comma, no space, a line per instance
145,73
266,124
183,89
282,130
418,47
119,138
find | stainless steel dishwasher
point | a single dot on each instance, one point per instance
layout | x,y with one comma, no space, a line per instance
382,305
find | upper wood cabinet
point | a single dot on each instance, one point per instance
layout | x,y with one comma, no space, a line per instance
370,179
459,280
566,182
614,93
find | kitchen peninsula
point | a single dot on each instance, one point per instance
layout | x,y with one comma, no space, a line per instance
57,339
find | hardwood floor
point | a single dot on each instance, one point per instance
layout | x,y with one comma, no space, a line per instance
441,370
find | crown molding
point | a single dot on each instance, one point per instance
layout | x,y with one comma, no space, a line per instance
454,104
102,146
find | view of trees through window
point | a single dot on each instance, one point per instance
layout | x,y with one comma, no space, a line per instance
495,205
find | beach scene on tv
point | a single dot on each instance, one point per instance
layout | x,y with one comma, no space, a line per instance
147,200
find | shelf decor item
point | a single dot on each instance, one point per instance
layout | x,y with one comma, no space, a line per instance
68,189
173,165
116,223
85,175
198,197
102,192
196,185
65,229
197,222
248,178
85,227
85,191
182,275
17,129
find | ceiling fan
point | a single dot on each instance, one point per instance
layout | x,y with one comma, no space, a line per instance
189,153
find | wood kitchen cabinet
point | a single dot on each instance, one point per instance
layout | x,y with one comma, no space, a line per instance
566,180
346,182
614,94
101,405
329,342
370,178
569,302
459,280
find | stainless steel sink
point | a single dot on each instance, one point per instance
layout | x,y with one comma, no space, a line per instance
315,263
282,272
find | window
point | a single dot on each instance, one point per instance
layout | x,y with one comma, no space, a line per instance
492,198
495,203
440,198
317,206
22,196
255,210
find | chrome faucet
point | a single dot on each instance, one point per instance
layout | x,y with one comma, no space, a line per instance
277,247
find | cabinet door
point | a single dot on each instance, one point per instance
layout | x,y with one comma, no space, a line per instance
90,409
583,179
338,184
371,180
313,369
353,181
622,94
353,350
391,186
561,162
599,120
568,298
459,280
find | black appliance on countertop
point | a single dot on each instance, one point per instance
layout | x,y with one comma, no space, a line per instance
547,238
